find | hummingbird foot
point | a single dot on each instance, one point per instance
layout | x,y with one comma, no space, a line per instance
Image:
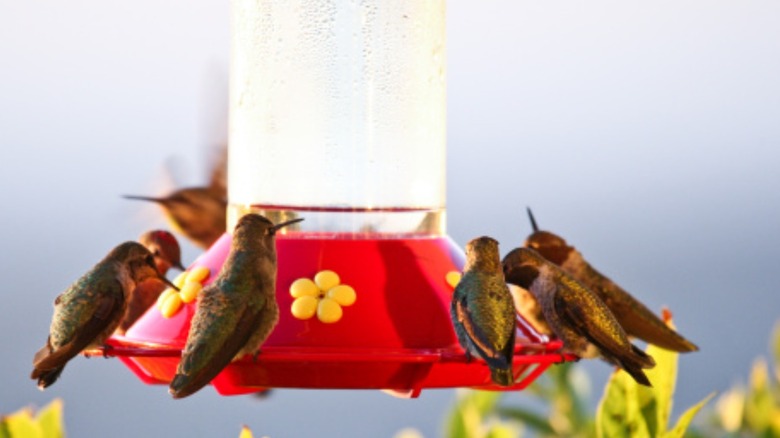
108,351
254,356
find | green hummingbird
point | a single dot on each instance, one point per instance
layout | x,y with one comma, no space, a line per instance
482,310
635,318
576,315
197,212
167,254
89,311
236,312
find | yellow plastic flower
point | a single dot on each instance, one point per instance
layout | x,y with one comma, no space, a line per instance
453,278
190,283
324,296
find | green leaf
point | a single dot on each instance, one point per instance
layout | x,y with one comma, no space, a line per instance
502,430
527,418
22,425
465,420
685,419
775,347
663,377
759,404
49,420
619,413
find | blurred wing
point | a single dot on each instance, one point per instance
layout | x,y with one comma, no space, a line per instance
219,168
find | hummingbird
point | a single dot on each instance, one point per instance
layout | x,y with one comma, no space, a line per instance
635,318
167,254
197,212
236,312
89,311
576,315
482,310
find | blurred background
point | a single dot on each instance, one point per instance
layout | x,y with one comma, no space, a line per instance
647,135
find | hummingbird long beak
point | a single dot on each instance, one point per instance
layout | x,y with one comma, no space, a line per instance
168,282
533,221
276,227
143,198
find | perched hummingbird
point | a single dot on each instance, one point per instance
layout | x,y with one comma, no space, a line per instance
236,312
197,212
165,249
576,315
482,310
89,311
635,318
167,254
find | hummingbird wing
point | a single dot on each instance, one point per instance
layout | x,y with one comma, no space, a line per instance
79,321
581,310
222,331
478,338
635,318
487,327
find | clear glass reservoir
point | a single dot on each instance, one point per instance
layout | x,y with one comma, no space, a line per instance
337,114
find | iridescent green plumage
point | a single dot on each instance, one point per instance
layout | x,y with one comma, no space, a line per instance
575,314
89,311
236,312
635,318
482,310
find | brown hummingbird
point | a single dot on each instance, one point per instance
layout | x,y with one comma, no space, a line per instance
482,310
89,311
197,212
167,254
235,313
635,318
576,315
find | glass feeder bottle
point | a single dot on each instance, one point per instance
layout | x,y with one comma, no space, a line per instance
337,114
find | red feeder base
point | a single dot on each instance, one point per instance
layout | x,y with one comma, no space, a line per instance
396,336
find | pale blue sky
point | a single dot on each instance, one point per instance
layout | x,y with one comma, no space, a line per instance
646,134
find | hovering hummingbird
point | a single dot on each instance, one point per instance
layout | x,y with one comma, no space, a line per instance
635,318
482,310
576,315
235,313
197,212
89,311
167,254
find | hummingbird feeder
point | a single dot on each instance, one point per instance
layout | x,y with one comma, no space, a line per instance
337,115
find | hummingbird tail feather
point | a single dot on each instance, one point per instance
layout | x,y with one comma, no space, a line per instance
667,338
637,373
640,359
46,377
182,386
502,376
640,322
